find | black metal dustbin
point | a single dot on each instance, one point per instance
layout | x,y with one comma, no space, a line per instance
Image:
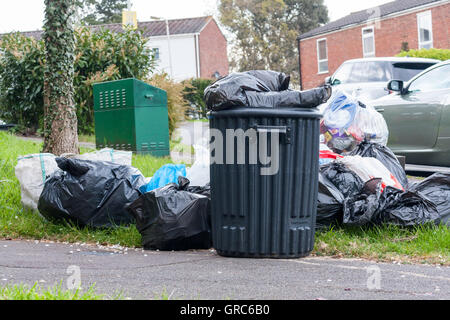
261,208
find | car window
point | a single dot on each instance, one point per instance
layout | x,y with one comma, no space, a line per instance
405,71
436,79
343,73
370,71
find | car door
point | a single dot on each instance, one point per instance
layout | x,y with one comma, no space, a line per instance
413,118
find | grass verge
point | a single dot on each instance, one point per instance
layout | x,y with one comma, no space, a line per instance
24,292
421,244
429,244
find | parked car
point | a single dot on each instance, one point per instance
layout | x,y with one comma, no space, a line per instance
367,78
418,116
5,126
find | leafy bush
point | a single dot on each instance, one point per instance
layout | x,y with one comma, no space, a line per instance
193,94
100,56
105,56
439,54
21,80
176,102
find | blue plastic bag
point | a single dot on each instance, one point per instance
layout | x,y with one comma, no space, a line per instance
168,173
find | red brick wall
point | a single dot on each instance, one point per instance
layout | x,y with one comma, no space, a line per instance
213,51
347,44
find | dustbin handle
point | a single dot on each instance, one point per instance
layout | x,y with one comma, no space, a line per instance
148,96
284,131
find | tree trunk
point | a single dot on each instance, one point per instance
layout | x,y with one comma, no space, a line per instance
60,118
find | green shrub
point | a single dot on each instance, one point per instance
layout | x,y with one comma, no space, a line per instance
439,54
100,56
193,94
21,80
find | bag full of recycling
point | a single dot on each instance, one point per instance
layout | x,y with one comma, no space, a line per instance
347,122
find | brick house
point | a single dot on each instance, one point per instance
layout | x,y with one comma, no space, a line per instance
377,32
198,48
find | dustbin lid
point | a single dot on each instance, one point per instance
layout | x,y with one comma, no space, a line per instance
267,113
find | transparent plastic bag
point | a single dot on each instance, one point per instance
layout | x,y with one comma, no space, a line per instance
347,122
198,174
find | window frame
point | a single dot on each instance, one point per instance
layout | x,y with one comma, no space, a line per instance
419,16
318,56
363,37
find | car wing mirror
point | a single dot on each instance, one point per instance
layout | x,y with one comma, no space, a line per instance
396,85
328,80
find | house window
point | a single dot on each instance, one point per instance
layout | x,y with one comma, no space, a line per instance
425,28
322,55
156,53
368,41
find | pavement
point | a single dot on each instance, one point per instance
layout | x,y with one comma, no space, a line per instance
203,274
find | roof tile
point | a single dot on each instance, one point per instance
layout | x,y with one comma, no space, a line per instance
365,15
149,28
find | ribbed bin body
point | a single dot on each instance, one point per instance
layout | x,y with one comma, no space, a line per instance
265,216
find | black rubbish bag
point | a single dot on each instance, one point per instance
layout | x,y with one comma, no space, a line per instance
336,183
184,184
90,193
171,218
329,203
390,206
287,99
436,188
259,88
385,156
274,81
346,181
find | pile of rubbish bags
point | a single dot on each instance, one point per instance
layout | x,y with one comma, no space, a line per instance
361,181
260,89
87,191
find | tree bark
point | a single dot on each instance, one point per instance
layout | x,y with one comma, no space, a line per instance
60,118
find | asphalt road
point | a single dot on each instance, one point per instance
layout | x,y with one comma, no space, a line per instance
205,275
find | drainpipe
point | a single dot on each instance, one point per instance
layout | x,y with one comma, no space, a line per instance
197,55
299,63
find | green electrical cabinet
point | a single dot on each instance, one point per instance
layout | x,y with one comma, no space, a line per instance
131,115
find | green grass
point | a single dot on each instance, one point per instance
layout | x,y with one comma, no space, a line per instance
198,120
177,146
428,243
24,292
86,138
387,243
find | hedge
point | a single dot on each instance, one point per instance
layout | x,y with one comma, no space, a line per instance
439,54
